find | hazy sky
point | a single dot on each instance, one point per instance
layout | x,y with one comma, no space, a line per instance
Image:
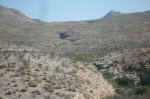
66,10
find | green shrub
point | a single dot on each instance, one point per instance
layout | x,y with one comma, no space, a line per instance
2,66
85,57
140,90
107,75
145,78
124,81
81,57
145,96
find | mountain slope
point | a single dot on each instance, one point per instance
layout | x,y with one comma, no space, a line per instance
114,31
12,16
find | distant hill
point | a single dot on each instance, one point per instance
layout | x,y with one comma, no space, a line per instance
114,31
12,16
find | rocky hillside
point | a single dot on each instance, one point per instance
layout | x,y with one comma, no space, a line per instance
32,64
30,74
128,71
134,64
112,32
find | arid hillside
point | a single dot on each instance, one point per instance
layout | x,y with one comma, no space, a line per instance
112,32
30,74
107,57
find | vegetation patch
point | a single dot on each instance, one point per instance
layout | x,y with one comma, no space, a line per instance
81,57
124,81
107,75
85,57
140,90
146,96
2,66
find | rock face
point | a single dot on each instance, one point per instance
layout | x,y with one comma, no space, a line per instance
33,75
134,64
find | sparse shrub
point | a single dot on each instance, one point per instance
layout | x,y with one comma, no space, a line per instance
140,90
145,78
50,87
33,83
107,75
84,57
80,57
145,96
76,66
63,64
116,97
24,70
124,81
58,69
52,54
92,68
2,66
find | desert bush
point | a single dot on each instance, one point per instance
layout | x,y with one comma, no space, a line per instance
107,75
81,57
145,78
85,57
59,69
145,96
2,66
140,90
124,81
52,54
92,68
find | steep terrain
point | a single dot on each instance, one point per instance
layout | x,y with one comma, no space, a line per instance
134,64
128,71
30,74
